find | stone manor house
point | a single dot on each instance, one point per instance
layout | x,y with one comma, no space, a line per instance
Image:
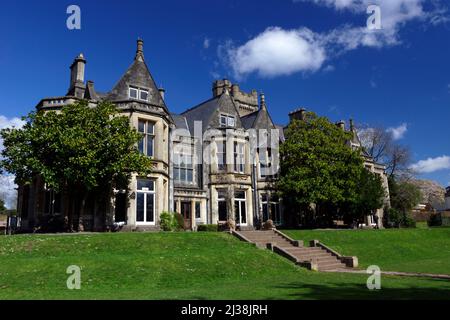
216,160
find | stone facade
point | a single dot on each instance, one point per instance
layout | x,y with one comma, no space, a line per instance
215,162
447,199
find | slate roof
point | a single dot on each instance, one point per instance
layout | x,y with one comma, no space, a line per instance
138,75
249,120
208,112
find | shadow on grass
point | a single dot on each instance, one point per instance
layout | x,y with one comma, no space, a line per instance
347,291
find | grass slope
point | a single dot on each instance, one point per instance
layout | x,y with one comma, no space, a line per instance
178,266
411,250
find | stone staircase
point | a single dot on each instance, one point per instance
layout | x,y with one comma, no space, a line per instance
315,257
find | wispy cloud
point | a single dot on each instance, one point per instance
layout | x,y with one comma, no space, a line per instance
432,164
398,132
277,51
206,43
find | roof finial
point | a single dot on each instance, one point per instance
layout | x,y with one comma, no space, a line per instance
140,50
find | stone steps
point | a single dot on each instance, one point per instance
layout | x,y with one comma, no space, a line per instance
320,257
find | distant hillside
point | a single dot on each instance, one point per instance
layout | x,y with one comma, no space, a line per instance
432,192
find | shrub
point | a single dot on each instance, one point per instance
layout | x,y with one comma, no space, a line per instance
397,219
171,221
208,228
268,225
435,220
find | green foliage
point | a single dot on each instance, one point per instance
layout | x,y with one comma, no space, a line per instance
435,220
317,165
2,206
170,221
208,228
404,197
77,150
369,197
398,219
77,146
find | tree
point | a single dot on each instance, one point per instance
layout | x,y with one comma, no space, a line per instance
77,151
2,206
318,167
405,196
370,195
380,145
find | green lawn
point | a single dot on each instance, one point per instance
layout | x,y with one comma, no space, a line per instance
411,250
178,266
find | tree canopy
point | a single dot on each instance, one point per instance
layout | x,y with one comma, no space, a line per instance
319,167
75,150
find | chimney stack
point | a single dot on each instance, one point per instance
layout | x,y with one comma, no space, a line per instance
77,69
299,114
220,86
341,124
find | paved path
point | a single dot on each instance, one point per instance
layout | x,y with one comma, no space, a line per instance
403,274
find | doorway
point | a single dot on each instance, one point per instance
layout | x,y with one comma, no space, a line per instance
186,212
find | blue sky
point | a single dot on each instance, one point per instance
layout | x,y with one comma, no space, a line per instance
312,53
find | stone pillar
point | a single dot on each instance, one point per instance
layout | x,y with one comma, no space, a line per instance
193,224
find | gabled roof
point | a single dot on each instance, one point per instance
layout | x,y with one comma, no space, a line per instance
137,75
208,112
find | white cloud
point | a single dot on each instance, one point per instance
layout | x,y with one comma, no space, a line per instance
277,51
7,185
432,164
398,132
8,193
9,123
394,13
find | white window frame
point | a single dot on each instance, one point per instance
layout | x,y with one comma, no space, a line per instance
239,157
147,193
241,201
186,165
139,91
133,89
230,121
222,156
147,136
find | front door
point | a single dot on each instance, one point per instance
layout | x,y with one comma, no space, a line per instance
240,208
186,213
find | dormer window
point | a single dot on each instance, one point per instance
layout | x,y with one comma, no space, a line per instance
138,94
227,121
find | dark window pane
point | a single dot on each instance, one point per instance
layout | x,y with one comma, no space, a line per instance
222,211
243,213
150,146
236,212
150,127
146,183
141,126
150,207
265,212
144,95
133,93
189,176
183,175
176,174
197,210
141,146
239,194
140,207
